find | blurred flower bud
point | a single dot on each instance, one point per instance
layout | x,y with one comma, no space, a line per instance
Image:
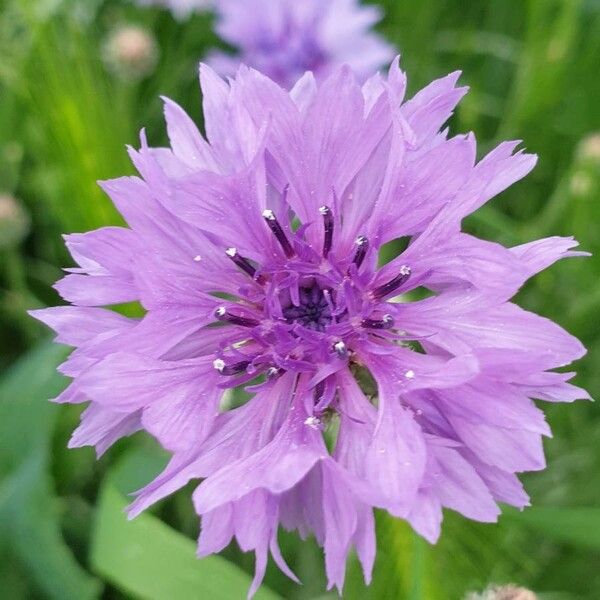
581,184
504,592
14,222
130,52
589,148
585,171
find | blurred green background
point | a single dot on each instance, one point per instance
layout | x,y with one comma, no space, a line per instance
67,110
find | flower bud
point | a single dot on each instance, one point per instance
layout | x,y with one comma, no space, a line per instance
584,178
503,592
589,148
130,52
14,221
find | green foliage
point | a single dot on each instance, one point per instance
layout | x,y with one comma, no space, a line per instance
577,526
150,560
29,510
65,118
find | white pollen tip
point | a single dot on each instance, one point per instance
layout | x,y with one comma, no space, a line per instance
220,312
197,258
405,270
387,318
324,210
340,347
361,240
219,364
409,374
268,214
231,252
313,422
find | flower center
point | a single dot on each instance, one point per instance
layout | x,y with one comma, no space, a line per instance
313,311
306,308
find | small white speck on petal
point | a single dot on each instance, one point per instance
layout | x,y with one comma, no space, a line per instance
405,270
231,252
409,374
219,364
197,258
313,422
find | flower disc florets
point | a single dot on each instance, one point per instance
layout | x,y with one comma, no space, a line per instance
304,311
407,386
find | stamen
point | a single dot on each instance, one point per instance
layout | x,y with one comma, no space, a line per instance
387,322
273,372
241,262
233,369
393,284
222,314
362,246
325,211
340,349
278,232
318,391
313,422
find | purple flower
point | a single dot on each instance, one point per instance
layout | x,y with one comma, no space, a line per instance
408,387
285,38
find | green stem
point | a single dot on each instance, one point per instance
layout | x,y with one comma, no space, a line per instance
419,559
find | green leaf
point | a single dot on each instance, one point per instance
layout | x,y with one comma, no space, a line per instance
403,568
28,507
149,560
578,526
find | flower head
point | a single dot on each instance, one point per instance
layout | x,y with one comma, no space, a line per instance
407,386
504,592
14,221
130,52
285,38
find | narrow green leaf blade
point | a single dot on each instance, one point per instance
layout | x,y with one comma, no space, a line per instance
578,526
29,520
148,559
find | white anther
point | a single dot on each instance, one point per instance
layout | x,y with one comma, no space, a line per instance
219,364
361,240
313,422
324,210
268,214
272,372
405,270
197,258
387,318
409,374
340,348
231,252
221,311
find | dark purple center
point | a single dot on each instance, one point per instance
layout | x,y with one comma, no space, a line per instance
313,310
